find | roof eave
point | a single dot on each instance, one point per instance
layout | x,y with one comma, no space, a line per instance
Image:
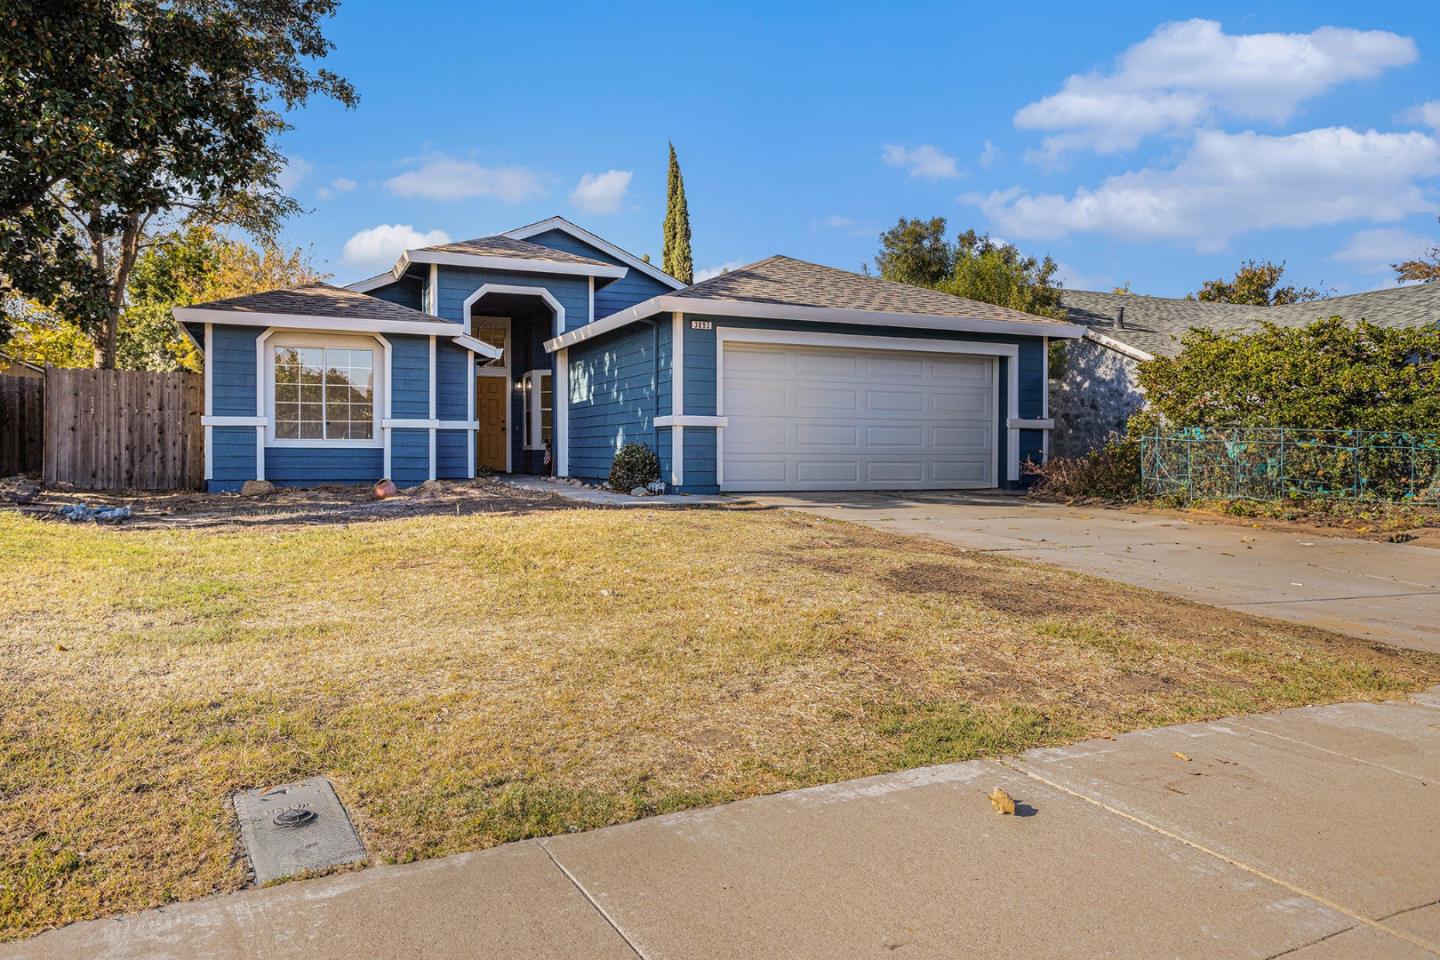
770,311
448,258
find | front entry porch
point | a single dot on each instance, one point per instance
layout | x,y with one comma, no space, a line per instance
514,404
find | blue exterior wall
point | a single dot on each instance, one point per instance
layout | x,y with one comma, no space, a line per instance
452,454
616,295
458,283
405,291
452,389
232,454
311,466
409,456
409,377
232,374
614,397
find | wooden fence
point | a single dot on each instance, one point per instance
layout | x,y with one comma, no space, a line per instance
22,424
124,429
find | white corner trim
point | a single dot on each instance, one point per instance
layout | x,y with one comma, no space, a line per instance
591,315
288,321
1045,398
516,264
212,421
434,296
477,346
1019,423
521,290
692,420
560,397
771,311
677,363
432,292
209,402
1124,349
585,236
470,413
263,394
385,436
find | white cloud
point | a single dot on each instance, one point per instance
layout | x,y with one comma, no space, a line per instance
1374,250
601,192
1228,184
989,155
925,162
337,186
1188,72
444,178
1427,114
1073,279
294,173
726,267
379,246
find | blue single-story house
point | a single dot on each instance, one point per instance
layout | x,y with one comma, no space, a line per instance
485,355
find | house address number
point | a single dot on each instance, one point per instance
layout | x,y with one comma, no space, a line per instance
702,324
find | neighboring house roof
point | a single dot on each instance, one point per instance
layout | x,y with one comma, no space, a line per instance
1154,325
782,287
599,243
8,360
320,306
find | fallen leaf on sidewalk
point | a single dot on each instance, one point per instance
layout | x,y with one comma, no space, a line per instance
61,647
1002,801
1180,756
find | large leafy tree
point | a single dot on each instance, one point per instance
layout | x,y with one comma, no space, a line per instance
117,113
973,266
1255,284
1424,268
676,259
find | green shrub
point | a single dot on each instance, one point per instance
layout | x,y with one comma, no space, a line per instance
635,465
1109,473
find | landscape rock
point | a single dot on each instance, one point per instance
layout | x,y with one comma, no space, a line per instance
638,492
23,492
257,488
385,489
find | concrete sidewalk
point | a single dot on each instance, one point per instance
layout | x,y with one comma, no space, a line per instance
1310,833
1380,591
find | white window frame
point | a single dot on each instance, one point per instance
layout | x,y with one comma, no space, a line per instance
491,369
284,338
532,385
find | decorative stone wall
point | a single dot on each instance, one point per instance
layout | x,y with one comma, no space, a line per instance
1093,398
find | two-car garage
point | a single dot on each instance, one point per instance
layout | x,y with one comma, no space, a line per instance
811,416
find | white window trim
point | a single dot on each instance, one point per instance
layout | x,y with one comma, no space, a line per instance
1008,351
531,385
490,369
265,349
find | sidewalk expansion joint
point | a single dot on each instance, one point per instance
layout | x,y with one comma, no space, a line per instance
604,915
1365,596
1334,753
1359,918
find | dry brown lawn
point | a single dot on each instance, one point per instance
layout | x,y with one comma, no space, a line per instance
467,681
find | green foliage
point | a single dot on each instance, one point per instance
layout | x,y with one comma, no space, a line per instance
113,113
635,465
973,266
675,253
1328,375
916,252
1423,269
1255,284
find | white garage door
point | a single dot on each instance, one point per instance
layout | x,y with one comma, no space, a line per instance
816,418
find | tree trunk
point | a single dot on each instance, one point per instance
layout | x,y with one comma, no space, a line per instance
108,342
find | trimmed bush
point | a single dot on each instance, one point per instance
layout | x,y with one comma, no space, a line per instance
634,466
1110,473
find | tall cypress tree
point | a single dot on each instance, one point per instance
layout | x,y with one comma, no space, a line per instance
675,257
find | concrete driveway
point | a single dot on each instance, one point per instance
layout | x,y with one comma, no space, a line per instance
1380,591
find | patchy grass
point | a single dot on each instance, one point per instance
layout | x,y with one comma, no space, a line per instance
472,680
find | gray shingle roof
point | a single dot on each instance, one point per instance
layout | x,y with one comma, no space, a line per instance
1156,324
500,246
318,300
790,282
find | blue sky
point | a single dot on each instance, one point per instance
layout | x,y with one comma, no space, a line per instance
1160,147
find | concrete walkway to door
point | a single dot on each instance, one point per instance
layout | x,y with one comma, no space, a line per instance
1380,591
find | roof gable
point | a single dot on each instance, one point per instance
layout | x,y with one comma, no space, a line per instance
597,243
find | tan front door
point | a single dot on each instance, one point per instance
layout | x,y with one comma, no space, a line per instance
490,440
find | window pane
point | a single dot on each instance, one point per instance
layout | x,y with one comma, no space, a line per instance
285,392
287,430
311,430
546,413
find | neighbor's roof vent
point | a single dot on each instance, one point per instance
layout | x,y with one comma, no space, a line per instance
1120,319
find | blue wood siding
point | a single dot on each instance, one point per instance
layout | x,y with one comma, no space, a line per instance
452,455
665,372
613,397
409,456
699,371
406,292
699,461
458,283
633,288
1032,379
409,377
232,454
312,466
452,392
232,374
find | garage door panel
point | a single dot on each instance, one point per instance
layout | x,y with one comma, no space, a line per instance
812,418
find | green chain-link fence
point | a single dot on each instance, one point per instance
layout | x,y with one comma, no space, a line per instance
1274,463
